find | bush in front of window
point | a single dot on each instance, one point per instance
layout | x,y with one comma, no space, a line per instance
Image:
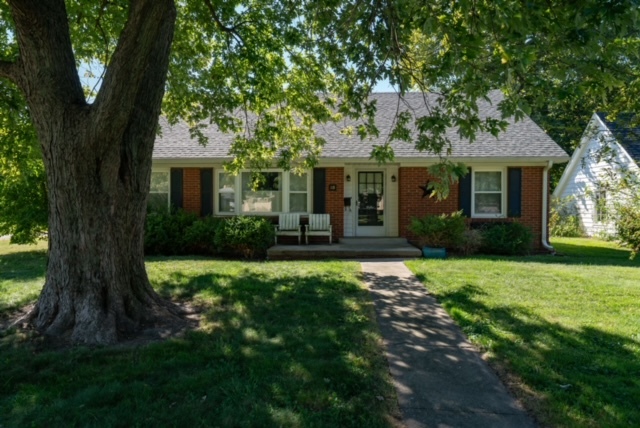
199,238
508,239
563,218
244,236
440,231
165,232
179,233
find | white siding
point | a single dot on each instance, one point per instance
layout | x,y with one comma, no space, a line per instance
350,213
585,172
391,209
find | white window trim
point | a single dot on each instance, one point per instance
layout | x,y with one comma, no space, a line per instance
168,172
503,191
238,193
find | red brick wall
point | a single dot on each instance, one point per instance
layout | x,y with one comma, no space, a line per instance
532,202
412,204
191,190
334,202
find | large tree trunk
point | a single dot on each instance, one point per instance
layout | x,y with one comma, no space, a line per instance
98,163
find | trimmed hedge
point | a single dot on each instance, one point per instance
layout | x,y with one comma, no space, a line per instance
440,231
244,236
182,233
508,239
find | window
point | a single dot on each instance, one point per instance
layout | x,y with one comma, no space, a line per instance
488,193
159,192
298,193
226,193
266,196
275,192
602,214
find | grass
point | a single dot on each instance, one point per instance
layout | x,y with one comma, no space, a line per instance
281,344
22,269
566,329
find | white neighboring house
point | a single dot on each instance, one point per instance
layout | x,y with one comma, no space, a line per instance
607,151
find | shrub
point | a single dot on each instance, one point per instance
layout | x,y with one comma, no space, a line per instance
440,231
471,243
507,239
200,236
628,226
165,232
244,236
563,219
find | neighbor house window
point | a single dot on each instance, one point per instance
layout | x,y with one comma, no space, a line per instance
226,193
263,196
298,193
488,193
602,214
159,191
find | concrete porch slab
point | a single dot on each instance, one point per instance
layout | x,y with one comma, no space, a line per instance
350,248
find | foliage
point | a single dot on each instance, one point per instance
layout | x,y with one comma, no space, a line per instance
471,242
168,233
628,226
563,329
245,236
23,193
281,344
563,218
440,231
509,239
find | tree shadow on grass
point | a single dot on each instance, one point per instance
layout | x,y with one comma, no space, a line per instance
23,266
283,349
587,377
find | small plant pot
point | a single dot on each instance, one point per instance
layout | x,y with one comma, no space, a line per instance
434,253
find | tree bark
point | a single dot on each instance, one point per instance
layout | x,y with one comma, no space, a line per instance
98,163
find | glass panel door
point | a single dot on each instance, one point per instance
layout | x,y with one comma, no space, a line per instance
370,203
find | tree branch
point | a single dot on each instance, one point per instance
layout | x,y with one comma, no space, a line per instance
48,67
229,30
142,52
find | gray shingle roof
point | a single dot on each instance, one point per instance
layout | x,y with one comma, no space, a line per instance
625,133
522,139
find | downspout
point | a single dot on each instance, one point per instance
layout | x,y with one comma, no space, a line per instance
545,207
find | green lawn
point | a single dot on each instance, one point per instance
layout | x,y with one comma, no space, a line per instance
566,328
282,344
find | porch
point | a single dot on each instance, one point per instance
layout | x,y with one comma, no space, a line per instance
347,248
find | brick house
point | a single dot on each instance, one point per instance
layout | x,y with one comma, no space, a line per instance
508,178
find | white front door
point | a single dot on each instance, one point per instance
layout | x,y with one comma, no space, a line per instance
370,201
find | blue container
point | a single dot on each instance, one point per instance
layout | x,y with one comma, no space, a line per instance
434,253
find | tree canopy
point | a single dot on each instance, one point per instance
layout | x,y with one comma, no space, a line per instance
269,70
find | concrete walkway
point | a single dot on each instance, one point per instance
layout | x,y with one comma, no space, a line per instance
440,378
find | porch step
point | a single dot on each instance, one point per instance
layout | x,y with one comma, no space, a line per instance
355,248
373,241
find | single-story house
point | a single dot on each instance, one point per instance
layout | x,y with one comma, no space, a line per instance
508,177
607,151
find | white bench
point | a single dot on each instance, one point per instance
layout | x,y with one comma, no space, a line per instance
289,225
319,225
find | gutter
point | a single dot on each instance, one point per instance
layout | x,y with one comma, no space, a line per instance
545,207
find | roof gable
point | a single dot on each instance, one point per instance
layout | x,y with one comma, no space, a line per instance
625,132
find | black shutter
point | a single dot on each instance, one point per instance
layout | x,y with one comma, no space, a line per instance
206,191
464,194
514,192
176,188
319,188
